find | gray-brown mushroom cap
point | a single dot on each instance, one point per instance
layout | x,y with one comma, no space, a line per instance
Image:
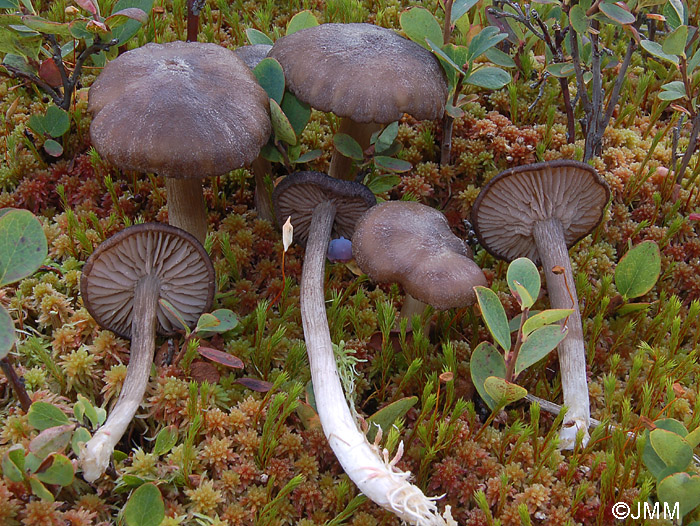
253,54
512,203
412,244
298,194
110,275
182,109
363,72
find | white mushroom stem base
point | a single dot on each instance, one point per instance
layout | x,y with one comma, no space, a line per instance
411,307
186,207
95,455
377,478
551,245
341,166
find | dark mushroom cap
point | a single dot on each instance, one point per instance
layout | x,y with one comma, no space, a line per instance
298,194
110,275
364,72
412,244
512,203
252,54
182,109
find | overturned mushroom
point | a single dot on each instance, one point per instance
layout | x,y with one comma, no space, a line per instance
121,284
412,244
185,110
366,74
319,206
539,211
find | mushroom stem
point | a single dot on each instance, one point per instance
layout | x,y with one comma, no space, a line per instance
341,166
551,246
186,208
376,478
263,202
97,452
411,307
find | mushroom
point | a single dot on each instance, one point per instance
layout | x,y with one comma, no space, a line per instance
365,74
319,206
412,244
121,284
185,110
253,54
539,211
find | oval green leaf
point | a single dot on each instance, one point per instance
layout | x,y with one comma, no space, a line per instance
674,44
53,148
460,8
638,270
302,20
271,77
671,448
43,415
51,440
418,23
524,272
387,415
58,471
280,124
80,436
165,440
578,19
486,361
131,26
682,489
489,78
298,113
494,316
543,318
145,506
616,13
503,391
391,164
13,464
655,49
348,146
538,345
8,336
258,37
23,245
40,490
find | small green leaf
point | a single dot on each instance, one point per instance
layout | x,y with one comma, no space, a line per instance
499,58
145,507
383,183
543,318
484,40
524,271
302,20
23,246
387,415
693,438
671,448
258,37
444,55
616,13
655,49
218,322
638,270
271,77
53,148
494,316
561,69
418,23
391,164
13,464
8,336
298,113
674,44
43,415
56,121
280,124
59,471
40,490
538,345
460,8
676,14
46,27
130,27
121,17
503,391
682,489
348,146
486,361
80,436
578,19
672,90
386,138
165,440
309,156
51,440
489,78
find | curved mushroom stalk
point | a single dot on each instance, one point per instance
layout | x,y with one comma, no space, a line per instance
186,207
96,453
378,479
551,244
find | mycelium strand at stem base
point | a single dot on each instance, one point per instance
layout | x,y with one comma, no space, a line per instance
186,208
95,456
341,166
551,245
378,480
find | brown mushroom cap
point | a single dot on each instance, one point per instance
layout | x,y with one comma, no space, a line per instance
298,194
110,275
512,203
363,72
182,109
412,244
253,54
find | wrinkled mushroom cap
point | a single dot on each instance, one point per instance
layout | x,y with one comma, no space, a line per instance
298,194
512,203
412,244
182,109
363,72
253,54
179,261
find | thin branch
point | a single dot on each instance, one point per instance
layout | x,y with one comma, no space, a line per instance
614,97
